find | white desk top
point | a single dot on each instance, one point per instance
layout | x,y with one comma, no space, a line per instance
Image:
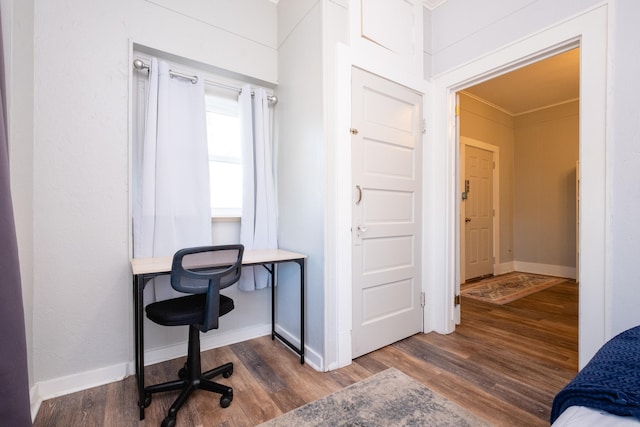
250,257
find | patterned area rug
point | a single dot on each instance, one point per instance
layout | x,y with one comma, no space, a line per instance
389,398
508,287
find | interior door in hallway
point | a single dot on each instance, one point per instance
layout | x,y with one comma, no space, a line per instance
478,212
386,176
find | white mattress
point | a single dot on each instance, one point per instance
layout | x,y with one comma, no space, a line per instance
579,416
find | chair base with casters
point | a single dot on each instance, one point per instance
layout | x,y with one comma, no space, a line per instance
190,377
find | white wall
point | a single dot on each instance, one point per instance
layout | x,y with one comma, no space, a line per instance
301,161
82,64
308,33
467,29
624,163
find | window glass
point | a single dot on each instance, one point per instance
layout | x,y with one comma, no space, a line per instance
225,166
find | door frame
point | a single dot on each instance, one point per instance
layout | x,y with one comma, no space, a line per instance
338,265
495,189
588,31
404,321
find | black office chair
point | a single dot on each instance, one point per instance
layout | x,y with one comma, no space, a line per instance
202,272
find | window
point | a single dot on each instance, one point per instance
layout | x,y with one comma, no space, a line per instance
223,135
225,165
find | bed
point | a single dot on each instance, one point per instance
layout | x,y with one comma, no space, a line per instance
606,392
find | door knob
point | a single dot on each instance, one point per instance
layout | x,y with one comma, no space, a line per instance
467,219
362,228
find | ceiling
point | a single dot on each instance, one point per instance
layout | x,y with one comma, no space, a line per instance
549,82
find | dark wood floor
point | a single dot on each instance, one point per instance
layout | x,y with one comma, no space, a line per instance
503,363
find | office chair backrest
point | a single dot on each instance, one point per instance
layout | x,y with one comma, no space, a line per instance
207,269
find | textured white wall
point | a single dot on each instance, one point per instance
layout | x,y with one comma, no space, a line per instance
463,30
301,161
82,280
624,163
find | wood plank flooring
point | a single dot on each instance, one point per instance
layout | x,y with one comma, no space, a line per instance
503,363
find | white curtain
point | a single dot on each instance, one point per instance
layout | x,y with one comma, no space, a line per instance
258,228
172,207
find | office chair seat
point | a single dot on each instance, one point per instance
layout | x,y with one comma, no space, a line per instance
185,310
200,272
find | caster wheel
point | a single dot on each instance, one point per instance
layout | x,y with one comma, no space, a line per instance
168,422
147,401
227,374
225,400
182,373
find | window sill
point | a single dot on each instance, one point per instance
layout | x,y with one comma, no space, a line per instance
217,219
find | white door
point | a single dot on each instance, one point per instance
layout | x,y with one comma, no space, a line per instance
478,212
386,155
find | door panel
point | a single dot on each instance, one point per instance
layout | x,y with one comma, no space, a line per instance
391,207
388,160
386,155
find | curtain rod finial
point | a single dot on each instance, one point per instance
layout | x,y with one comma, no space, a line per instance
139,64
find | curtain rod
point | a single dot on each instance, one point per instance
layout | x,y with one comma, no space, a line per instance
140,65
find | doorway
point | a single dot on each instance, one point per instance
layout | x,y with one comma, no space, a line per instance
532,115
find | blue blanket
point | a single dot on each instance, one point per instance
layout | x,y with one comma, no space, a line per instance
609,382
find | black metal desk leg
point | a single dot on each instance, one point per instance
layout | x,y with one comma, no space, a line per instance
275,334
301,264
138,290
273,301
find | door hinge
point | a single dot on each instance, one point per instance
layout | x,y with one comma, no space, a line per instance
457,110
423,299
424,126
456,300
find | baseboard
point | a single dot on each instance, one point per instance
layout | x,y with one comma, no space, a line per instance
535,268
207,342
546,269
36,401
505,267
344,356
60,386
311,357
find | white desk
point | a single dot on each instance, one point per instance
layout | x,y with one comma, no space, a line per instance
145,269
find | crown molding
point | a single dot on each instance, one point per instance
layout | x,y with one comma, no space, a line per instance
432,4
522,113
